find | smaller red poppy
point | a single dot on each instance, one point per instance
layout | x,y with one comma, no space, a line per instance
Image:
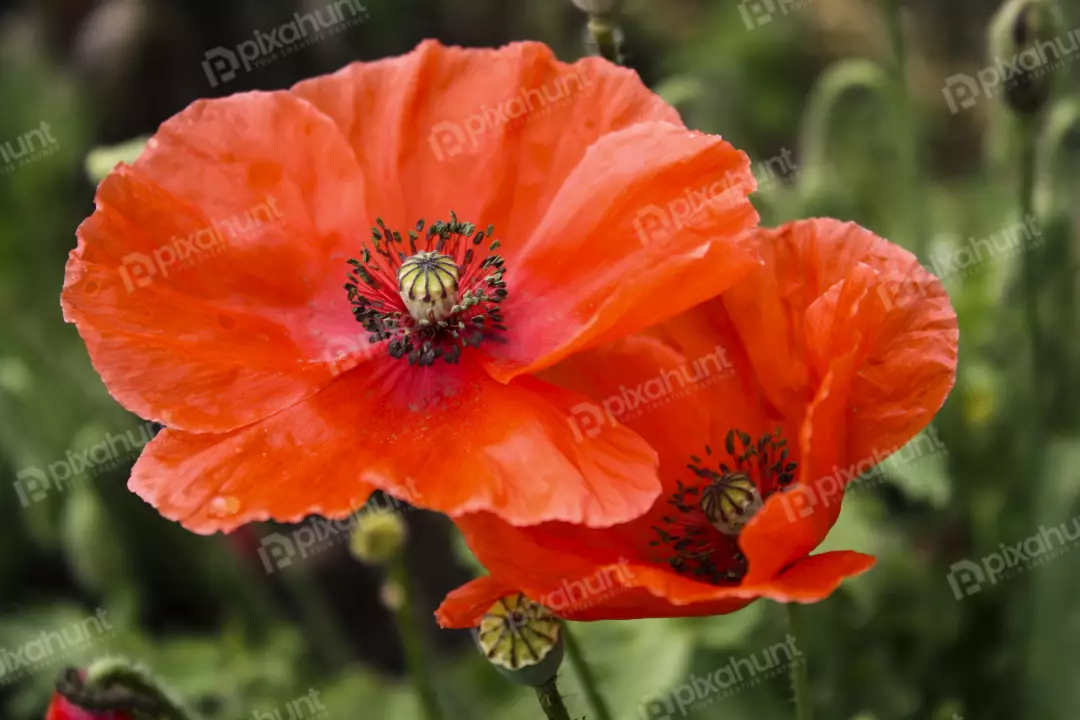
762,404
60,708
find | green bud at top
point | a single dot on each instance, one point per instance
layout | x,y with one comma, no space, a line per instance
378,537
1027,45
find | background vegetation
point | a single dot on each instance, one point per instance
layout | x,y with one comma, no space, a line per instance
812,96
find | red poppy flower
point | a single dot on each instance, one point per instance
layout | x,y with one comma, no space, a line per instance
60,708
208,285
762,403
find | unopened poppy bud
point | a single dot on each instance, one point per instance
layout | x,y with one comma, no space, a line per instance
378,537
522,639
1023,36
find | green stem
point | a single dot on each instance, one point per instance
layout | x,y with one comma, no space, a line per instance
419,670
907,131
551,701
1030,258
600,709
605,33
800,676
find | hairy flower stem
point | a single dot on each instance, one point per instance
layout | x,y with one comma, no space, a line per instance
1027,132
419,670
551,701
800,677
600,709
907,131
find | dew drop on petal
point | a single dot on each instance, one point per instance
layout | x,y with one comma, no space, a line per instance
224,506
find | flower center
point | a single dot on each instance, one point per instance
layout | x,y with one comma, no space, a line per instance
434,300
701,538
428,284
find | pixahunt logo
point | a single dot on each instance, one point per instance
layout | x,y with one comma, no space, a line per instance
280,551
967,577
574,596
756,13
222,64
33,484
963,91
183,253
802,500
588,419
305,707
451,138
51,648
655,223
959,262
737,675
27,148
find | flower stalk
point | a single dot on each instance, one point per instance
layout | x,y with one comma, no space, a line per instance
551,701
419,669
907,127
597,704
800,676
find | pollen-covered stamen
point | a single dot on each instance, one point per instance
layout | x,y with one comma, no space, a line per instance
702,536
433,300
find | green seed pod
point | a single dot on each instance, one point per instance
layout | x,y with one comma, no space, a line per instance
522,639
1026,49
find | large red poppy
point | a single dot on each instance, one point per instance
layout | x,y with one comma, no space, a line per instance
763,403
208,285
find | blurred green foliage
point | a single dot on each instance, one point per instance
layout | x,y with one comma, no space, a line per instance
814,84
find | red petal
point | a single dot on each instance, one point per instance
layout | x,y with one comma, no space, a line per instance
444,437
490,134
208,283
644,228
